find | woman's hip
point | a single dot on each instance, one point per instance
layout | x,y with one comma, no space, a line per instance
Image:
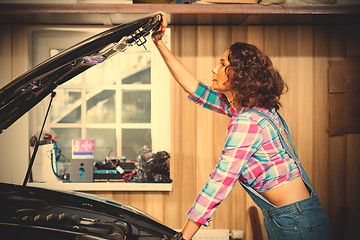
305,219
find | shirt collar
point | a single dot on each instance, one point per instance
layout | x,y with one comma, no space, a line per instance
244,109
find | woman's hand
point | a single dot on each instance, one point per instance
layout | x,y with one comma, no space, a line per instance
159,34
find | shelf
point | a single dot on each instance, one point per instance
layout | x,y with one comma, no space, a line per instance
178,8
179,13
104,186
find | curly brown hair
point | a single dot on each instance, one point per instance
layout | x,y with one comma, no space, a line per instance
253,79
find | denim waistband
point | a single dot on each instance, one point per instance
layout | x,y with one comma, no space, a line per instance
299,207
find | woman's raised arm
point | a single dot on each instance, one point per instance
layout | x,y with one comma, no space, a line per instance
181,74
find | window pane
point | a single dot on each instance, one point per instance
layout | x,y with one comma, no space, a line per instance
77,80
136,107
64,140
100,106
133,140
107,72
67,106
136,68
104,141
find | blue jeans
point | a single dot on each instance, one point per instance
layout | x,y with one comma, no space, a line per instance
305,220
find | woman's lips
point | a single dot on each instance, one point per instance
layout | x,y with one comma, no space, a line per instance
214,80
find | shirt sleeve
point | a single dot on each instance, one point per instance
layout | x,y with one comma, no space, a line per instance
243,140
210,99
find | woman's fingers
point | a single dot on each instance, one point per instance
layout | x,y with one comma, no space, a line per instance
157,35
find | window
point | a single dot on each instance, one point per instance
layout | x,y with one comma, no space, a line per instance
122,103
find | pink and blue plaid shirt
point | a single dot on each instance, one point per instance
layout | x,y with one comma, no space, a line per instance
252,154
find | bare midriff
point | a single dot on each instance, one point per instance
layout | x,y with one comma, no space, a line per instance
287,193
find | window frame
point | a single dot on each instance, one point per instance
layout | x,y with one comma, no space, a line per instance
48,38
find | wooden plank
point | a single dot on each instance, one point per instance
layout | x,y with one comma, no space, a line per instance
337,182
272,44
204,117
351,76
172,209
205,63
238,34
352,98
321,114
155,205
336,76
188,126
138,200
305,97
255,36
287,68
350,211
172,8
337,114
352,42
120,197
352,103
352,180
337,148
344,85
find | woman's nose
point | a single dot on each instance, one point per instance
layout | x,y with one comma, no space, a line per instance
215,69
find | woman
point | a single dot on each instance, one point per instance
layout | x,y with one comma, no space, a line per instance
247,88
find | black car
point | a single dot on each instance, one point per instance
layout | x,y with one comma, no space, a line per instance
38,213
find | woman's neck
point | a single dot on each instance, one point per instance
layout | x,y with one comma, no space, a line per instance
230,97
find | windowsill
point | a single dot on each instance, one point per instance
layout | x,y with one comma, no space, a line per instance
104,186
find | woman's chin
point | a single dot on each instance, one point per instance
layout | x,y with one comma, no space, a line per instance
214,86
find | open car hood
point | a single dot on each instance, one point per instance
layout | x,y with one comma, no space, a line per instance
23,93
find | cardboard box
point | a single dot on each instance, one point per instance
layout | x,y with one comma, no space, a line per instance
82,148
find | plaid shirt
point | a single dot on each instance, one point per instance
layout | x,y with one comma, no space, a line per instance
252,154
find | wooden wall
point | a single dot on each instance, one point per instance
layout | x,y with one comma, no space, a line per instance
302,54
